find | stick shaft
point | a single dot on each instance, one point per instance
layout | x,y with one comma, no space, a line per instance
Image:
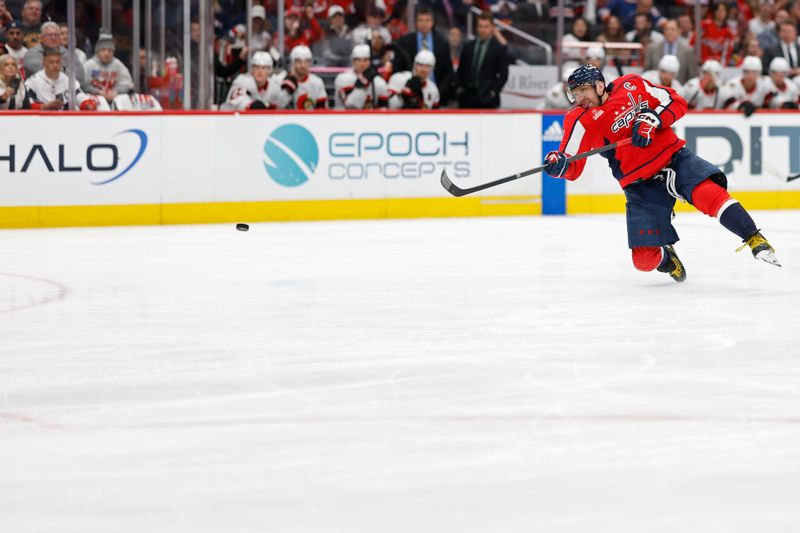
457,191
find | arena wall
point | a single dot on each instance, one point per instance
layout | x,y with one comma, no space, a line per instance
120,169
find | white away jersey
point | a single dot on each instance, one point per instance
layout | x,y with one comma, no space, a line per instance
245,91
698,99
780,95
136,102
348,96
653,77
310,93
42,89
430,93
739,94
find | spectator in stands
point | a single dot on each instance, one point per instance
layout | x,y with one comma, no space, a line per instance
14,46
483,68
769,39
686,28
763,20
337,42
301,28
717,42
107,76
787,48
706,91
383,56
361,87
11,96
49,89
578,33
455,40
79,54
666,74
51,38
396,23
783,92
672,45
747,46
31,23
623,10
5,14
415,89
643,31
426,38
374,24
261,39
612,32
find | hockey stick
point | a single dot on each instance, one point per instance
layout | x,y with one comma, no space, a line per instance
458,192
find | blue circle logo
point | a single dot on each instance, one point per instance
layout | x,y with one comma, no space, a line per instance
291,155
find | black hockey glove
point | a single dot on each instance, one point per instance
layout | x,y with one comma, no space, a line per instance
790,105
257,104
361,82
289,84
414,83
644,128
747,107
370,73
555,163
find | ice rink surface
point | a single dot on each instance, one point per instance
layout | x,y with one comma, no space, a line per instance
450,375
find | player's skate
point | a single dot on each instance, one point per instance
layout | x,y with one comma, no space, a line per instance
761,248
673,266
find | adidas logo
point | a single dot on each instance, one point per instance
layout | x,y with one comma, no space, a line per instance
554,132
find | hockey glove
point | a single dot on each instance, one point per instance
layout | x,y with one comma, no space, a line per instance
644,128
555,163
361,82
790,105
370,73
414,83
747,107
257,104
289,84
88,105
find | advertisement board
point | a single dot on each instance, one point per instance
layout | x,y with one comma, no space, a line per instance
206,167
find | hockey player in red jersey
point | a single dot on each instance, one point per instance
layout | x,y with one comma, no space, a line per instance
653,170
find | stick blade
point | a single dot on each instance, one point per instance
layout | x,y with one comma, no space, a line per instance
450,186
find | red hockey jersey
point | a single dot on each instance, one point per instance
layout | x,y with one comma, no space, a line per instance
613,121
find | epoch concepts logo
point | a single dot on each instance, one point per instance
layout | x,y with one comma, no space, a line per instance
291,155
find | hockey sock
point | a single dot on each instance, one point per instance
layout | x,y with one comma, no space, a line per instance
734,217
647,258
708,198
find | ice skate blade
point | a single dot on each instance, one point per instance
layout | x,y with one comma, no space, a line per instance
769,257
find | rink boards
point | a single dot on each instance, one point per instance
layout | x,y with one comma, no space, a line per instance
116,169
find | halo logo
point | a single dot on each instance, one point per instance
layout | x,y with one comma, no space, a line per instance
291,155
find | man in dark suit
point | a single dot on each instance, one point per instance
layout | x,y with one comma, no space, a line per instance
425,38
672,45
482,68
787,48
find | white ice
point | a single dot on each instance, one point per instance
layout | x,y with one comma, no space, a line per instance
450,375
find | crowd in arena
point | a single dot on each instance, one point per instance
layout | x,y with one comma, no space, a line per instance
748,53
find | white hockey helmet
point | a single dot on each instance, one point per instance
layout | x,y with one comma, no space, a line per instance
779,64
595,52
262,59
361,51
669,63
425,57
301,51
712,66
752,63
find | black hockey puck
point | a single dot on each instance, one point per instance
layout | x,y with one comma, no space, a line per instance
242,227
